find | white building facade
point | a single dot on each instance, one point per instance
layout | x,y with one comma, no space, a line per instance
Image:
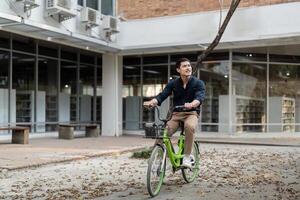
72,61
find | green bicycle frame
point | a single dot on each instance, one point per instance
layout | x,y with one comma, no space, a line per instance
174,157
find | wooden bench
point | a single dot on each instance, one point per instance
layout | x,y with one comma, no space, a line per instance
20,135
66,131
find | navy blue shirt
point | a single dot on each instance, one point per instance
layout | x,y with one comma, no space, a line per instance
195,89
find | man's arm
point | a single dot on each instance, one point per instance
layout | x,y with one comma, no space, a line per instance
161,97
198,97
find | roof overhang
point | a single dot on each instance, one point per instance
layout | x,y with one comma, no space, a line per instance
33,29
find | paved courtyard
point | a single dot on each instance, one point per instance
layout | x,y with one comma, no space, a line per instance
227,172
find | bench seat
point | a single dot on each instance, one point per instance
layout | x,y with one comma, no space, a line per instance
20,135
66,131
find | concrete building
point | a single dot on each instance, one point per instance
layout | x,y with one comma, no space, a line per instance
72,61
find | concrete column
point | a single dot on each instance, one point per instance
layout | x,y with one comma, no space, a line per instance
112,95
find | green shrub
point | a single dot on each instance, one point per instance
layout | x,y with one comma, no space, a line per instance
144,154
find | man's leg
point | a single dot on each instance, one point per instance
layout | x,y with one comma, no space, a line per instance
190,126
172,126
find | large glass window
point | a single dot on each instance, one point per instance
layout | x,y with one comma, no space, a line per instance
155,78
68,92
131,92
48,49
248,101
107,7
214,117
99,90
4,40
4,99
284,100
80,2
48,92
86,91
24,84
69,53
22,43
92,4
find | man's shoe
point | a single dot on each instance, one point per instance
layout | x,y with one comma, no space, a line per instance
187,162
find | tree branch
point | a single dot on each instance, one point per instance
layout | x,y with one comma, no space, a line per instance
210,48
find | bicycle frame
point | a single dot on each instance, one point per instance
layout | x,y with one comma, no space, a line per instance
175,158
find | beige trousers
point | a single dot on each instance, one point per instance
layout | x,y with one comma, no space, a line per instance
190,120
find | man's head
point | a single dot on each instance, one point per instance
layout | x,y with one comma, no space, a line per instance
183,67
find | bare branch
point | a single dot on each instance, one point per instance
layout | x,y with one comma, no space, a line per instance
234,4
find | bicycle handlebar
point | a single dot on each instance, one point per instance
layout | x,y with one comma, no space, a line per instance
170,116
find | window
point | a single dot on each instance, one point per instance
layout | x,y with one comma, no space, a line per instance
92,4
80,2
89,3
107,7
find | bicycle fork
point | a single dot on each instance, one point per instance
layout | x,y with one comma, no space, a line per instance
164,156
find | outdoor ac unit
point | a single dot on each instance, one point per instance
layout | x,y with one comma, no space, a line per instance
90,16
59,3
60,9
28,4
110,24
31,1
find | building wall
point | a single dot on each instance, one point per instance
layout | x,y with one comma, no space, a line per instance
139,9
244,30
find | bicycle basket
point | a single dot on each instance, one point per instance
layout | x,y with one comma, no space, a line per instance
152,130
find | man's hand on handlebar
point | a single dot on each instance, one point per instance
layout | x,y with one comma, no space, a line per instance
150,104
188,106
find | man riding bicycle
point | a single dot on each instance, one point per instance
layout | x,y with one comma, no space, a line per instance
188,91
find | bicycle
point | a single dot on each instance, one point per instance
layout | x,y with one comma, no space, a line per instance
157,161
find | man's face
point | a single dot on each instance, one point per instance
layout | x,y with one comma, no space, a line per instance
185,69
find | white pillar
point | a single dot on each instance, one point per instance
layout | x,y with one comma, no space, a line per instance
112,95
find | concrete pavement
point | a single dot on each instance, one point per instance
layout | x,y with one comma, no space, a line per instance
47,148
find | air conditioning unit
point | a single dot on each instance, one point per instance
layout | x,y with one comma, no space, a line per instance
60,9
28,4
90,16
31,1
111,24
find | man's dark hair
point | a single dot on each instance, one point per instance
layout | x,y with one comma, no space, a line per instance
179,61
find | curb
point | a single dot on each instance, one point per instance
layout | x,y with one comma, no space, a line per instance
79,157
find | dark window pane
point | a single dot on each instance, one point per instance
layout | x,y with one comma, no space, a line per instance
284,58
47,84
135,60
4,63
68,89
99,91
107,7
155,59
99,61
23,72
21,43
80,2
217,56
69,53
92,4
4,39
191,56
249,57
89,59
23,83
48,49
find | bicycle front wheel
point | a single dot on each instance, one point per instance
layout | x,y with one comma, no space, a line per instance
189,175
156,171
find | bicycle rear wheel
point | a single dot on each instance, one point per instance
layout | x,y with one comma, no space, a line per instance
156,171
189,175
